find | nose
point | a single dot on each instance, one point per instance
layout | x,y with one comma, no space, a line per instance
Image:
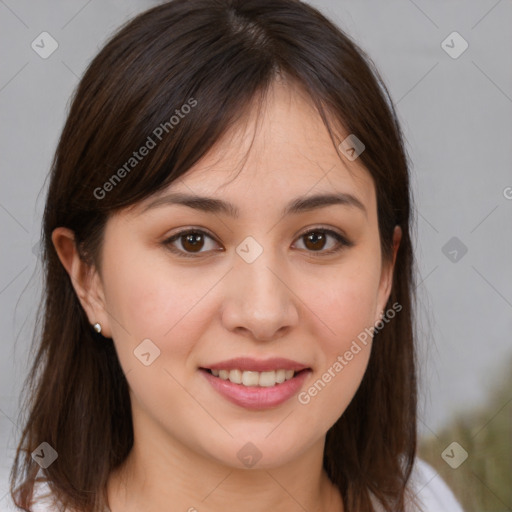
259,301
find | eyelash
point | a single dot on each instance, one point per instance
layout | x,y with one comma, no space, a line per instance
342,241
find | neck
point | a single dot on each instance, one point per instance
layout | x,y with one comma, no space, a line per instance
160,472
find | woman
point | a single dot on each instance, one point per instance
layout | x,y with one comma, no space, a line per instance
229,277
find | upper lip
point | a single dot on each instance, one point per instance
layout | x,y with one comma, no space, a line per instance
258,365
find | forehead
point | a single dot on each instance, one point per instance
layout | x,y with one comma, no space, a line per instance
280,150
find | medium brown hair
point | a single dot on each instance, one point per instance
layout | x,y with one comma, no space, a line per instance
222,54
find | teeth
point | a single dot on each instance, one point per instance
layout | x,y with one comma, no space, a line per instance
235,376
248,378
281,376
267,379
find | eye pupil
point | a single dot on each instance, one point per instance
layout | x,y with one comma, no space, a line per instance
195,239
314,237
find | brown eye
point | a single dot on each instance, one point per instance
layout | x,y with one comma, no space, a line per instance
191,242
317,239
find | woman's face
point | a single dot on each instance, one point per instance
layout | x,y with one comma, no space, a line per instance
272,283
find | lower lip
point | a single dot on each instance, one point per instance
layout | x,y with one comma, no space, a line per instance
256,397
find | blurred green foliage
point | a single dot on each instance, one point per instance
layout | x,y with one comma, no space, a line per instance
483,482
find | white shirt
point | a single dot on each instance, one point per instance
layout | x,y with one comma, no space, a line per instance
430,490
427,485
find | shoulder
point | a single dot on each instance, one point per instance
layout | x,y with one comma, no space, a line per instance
426,490
431,490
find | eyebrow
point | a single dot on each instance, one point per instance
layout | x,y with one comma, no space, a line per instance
297,205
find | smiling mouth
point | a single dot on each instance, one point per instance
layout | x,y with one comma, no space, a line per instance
255,379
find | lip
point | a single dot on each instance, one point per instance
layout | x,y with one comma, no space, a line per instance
256,397
257,365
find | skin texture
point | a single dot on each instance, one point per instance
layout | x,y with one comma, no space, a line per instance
293,301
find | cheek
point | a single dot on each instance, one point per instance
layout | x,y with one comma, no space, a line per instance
344,308
345,314
150,298
345,305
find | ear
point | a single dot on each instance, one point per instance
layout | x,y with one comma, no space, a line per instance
84,278
386,278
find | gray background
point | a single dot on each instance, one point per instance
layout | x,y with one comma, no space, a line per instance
456,115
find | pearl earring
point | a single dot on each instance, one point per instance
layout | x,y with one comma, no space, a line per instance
97,327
